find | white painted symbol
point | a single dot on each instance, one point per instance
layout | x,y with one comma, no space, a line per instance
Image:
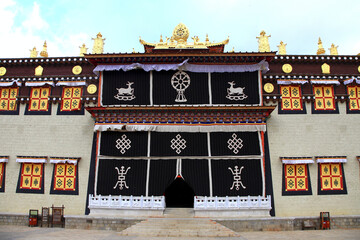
123,144
235,143
180,81
125,94
121,177
178,144
237,178
235,93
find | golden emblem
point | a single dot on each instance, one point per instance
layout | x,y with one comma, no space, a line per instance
321,49
325,68
269,88
92,89
3,71
77,70
263,41
287,68
358,69
282,48
39,70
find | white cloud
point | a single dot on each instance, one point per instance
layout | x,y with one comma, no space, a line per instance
34,21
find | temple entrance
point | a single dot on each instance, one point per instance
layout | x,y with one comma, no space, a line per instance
179,194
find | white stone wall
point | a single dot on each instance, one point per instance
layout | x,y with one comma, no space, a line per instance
45,135
309,135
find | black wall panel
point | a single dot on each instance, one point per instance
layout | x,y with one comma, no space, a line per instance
162,174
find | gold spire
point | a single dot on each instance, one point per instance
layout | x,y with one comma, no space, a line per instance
333,50
282,48
263,41
98,47
83,50
33,53
321,49
44,52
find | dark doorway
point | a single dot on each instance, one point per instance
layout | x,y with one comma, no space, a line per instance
179,194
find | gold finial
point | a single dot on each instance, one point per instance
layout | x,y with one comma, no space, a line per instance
263,41
232,50
44,52
333,50
33,53
161,40
98,47
282,48
83,50
207,38
321,49
133,50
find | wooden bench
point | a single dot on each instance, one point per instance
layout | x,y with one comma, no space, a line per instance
309,224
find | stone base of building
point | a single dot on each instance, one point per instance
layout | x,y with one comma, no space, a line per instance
113,212
232,213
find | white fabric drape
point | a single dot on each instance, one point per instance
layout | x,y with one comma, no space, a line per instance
71,83
9,84
39,84
4,159
31,160
64,160
331,160
327,82
293,81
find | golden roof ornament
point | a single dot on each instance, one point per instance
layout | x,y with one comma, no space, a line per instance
333,50
83,50
321,49
179,39
263,41
282,48
98,47
44,52
34,53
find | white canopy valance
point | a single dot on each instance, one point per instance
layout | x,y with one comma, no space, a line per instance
25,159
292,81
9,84
71,160
39,84
326,82
350,80
4,159
300,160
331,159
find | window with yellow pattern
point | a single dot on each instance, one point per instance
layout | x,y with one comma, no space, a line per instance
8,98
324,97
71,99
64,179
31,178
332,179
296,180
39,99
291,98
354,98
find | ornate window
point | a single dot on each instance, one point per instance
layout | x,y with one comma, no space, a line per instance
291,99
331,175
354,98
3,161
65,176
71,99
31,174
324,98
296,179
39,99
8,100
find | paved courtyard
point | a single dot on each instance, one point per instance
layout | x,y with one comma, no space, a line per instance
24,232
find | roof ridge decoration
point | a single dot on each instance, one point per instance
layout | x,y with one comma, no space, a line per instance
179,40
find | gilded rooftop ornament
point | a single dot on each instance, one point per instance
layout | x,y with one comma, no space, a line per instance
263,41
98,47
321,49
179,39
333,50
282,48
83,50
34,53
44,52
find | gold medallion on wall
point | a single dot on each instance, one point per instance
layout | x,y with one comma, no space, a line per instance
77,70
91,89
287,68
359,69
269,87
2,71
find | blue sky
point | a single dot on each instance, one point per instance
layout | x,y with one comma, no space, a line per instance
67,24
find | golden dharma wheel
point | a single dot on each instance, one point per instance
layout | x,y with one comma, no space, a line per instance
77,70
287,68
269,87
2,71
91,89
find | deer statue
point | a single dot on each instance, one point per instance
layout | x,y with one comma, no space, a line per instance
126,91
232,90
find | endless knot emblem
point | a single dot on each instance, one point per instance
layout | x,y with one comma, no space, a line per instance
178,144
121,177
235,143
180,81
237,178
123,144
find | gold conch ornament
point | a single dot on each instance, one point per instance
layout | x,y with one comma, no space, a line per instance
39,71
321,49
325,68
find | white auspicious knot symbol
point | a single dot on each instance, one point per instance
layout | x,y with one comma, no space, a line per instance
237,177
123,144
121,177
235,143
178,144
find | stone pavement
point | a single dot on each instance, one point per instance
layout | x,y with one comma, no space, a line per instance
24,232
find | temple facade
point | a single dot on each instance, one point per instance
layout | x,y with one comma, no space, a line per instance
184,124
